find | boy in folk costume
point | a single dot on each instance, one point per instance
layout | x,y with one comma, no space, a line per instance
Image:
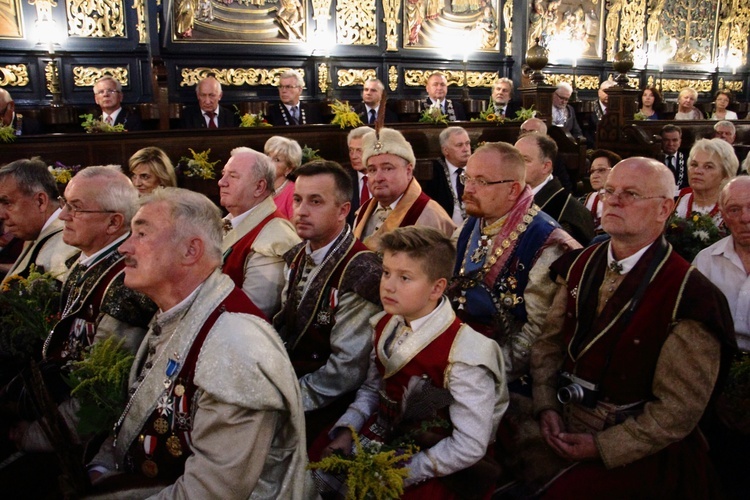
420,347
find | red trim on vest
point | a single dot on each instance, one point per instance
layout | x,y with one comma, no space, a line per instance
234,265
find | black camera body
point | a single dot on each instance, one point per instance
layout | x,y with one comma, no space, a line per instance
576,390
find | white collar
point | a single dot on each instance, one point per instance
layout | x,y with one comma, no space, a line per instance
451,167
87,260
540,186
392,205
319,254
236,220
51,219
627,263
418,323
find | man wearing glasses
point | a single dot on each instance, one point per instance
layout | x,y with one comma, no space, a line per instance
292,111
563,114
501,284
208,113
630,353
108,96
29,210
94,304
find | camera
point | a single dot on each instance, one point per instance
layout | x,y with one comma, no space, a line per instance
576,390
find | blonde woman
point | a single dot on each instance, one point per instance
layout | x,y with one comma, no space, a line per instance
286,154
686,109
151,168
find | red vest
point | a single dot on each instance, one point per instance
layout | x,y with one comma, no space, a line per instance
234,263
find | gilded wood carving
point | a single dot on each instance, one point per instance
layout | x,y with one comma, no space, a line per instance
236,76
14,75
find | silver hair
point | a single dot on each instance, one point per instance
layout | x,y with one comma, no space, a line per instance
211,76
32,176
449,132
379,84
114,190
290,73
286,147
723,150
192,215
691,91
263,167
566,86
358,133
725,124
118,85
503,80
607,84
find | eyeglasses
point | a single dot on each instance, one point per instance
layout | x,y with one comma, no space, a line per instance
561,97
64,205
624,197
288,87
466,180
106,92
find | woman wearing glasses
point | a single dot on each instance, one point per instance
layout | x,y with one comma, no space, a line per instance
602,161
711,164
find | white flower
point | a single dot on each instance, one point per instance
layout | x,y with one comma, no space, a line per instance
701,235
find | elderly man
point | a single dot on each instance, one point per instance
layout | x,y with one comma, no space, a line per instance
372,95
208,373
437,89
208,113
563,114
95,304
259,236
331,293
533,125
445,185
361,191
291,111
600,108
674,159
29,210
539,153
22,125
108,96
501,284
397,198
725,129
632,349
502,95
726,264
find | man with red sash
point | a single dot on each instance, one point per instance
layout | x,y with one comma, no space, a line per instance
427,365
214,407
258,235
634,345
330,296
397,198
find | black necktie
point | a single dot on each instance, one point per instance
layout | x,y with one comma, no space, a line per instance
373,116
670,162
459,184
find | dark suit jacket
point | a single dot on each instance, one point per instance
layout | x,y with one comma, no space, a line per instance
458,108
566,210
510,110
361,110
29,125
192,117
355,195
680,167
278,114
571,124
439,187
593,123
128,118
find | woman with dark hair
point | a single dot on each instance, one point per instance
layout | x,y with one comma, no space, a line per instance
650,101
722,99
602,161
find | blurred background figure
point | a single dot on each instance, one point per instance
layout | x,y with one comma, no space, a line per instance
151,168
722,100
286,154
602,161
650,103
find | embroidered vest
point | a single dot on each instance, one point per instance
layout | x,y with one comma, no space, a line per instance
411,215
236,256
164,444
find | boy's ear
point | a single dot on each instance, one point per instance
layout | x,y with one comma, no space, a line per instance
438,288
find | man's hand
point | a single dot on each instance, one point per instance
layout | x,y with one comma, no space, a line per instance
551,424
575,447
342,442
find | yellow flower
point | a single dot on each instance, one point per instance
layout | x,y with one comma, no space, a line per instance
491,117
695,218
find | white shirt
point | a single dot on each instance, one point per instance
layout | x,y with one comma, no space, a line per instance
457,216
51,219
208,118
87,260
535,190
236,220
627,263
721,264
113,115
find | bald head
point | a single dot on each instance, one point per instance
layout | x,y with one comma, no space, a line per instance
7,106
532,126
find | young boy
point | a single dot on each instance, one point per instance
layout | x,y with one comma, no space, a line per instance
418,339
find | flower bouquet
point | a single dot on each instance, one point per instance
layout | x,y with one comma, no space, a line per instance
310,154
343,115
198,166
639,116
692,234
93,125
250,120
524,114
488,115
7,133
63,173
435,115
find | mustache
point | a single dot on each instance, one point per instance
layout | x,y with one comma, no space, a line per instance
468,197
131,262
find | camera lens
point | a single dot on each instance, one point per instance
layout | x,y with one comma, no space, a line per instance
572,393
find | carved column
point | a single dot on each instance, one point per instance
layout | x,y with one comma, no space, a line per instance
539,96
622,105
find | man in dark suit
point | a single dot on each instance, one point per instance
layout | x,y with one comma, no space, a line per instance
437,89
539,153
674,159
290,110
599,109
445,187
23,125
361,191
502,95
208,113
563,114
368,109
108,96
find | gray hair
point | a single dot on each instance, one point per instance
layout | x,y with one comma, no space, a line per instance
689,90
263,167
212,77
118,85
290,73
284,147
503,80
449,132
379,84
607,84
358,133
723,150
725,124
192,215
565,86
114,190
32,176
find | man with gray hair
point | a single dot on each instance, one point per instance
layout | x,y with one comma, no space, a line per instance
22,125
361,191
372,95
258,235
725,129
445,186
209,371
108,96
563,114
29,210
290,110
502,96
208,113
95,304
